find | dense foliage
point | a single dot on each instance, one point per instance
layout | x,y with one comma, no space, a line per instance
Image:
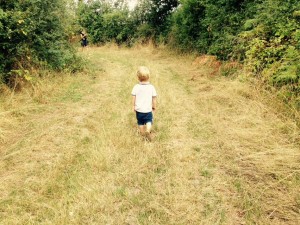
33,33
107,22
264,35
271,43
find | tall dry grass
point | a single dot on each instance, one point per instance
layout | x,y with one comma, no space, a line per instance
70,153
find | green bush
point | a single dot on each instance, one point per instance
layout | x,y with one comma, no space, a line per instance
272,42
32,34
105,23
209,26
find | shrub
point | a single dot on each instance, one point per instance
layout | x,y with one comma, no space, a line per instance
32,34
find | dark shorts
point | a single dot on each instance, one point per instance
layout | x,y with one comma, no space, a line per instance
143,118
84,43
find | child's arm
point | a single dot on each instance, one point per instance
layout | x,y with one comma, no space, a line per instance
133,102
154,103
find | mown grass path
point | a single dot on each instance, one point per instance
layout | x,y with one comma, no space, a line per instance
70,153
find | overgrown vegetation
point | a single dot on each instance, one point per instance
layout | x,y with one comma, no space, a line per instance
271,49
34,34
106,22
264,35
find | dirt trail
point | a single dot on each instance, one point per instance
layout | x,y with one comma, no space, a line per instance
220,155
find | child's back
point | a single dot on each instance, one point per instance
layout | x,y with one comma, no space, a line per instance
144,92
144,101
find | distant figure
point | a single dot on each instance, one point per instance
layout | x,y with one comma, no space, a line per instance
144,102
84,41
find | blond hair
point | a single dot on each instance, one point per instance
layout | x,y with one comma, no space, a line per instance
143,73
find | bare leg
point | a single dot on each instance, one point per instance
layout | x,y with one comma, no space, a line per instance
148,131
141,129
148,127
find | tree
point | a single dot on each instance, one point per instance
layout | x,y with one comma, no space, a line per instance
107,22
155,13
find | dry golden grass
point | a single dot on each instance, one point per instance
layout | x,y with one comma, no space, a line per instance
70,153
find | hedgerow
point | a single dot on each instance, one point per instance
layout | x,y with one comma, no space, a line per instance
33,34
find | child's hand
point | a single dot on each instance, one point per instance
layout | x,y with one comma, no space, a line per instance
133,109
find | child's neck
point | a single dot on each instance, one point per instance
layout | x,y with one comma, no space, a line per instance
145,82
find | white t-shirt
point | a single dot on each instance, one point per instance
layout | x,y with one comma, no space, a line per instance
143,93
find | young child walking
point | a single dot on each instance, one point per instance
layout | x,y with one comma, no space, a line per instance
144,101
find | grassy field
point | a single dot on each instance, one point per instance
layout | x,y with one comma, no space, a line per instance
70,152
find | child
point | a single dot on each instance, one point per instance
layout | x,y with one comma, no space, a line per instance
144,101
